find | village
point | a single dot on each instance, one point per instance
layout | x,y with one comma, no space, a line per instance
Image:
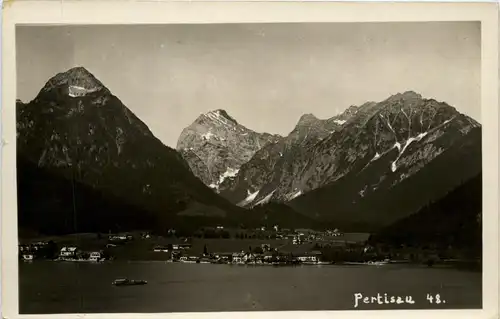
217,245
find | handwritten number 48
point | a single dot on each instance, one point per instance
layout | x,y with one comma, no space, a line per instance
436,299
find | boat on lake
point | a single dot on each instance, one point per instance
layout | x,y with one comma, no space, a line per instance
128,282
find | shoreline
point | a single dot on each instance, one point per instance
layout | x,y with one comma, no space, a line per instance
455,264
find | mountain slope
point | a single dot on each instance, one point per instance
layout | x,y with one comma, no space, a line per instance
215,146
77,129
48,203
451,221
405,130
265,167
372,169
378,197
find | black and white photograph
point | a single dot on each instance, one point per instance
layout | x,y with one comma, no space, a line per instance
313,166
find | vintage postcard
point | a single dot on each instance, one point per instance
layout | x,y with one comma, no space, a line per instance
236,159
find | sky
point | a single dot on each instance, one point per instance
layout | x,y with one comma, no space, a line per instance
264,75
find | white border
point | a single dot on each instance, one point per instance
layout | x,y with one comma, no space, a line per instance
156,12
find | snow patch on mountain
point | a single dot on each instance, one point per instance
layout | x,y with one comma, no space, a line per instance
77,91
230,172
250,198
220,117
266,199
339,122
397,145
295,195
388,123
447,121
207,136
410,140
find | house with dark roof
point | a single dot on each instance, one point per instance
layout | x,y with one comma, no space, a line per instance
238,257
268,256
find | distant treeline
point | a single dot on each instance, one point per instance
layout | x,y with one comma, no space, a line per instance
53,205
451,223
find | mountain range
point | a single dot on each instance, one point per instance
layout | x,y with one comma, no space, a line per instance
87,163
371,164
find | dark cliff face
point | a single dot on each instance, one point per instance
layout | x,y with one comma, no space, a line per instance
215,146
75,128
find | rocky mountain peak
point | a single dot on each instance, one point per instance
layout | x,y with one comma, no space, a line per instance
87,126
216,118
307,120
222,113
78,80
215,145
351,110
407,95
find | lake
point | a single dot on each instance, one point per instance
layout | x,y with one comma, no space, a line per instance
59,287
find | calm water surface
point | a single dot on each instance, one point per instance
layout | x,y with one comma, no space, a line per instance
58,287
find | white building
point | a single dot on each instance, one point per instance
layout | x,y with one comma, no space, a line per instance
307,258
95,256
297,240
249,257
68,252
239,257
118,237
159,249
27,257
313,256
